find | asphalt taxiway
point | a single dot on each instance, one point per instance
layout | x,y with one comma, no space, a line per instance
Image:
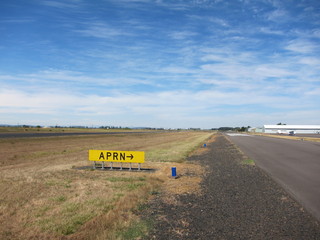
294,164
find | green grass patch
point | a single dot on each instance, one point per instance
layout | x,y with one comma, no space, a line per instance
66,224
136,230
58,183
134,186
125,179
72,215
248,162
142,206
42,211
101,204
59,199
173,152
70,208
74,223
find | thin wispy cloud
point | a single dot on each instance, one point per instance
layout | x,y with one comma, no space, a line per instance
278,15
271,31
182,35
72,4
302,46
100,30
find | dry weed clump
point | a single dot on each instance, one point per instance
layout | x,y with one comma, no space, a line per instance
44,197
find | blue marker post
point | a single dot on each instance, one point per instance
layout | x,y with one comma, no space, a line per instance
204,145
174,172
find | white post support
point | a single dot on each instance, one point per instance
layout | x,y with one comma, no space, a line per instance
111,167
102,165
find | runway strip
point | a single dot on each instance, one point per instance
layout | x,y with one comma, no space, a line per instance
237,201
293,164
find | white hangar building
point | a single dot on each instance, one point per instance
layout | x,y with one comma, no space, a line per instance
308,129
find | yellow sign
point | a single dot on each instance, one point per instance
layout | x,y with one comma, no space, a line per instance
116,156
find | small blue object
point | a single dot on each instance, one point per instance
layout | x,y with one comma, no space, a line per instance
205,145
173,172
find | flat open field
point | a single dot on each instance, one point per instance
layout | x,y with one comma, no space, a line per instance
13,132
62,129
44,196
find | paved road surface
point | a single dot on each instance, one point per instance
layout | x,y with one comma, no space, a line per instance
302,135
293,164
236,202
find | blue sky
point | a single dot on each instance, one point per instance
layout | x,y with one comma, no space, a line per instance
160,63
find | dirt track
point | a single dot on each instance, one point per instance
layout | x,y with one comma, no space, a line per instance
237,202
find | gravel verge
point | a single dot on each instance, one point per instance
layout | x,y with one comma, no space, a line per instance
237,202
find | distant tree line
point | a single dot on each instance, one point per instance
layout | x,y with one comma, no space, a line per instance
113,127
233,129
25,126
128,128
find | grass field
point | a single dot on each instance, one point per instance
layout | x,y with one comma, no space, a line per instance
64,129
43,196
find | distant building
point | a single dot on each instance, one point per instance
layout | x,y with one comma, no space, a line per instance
286,129
255,129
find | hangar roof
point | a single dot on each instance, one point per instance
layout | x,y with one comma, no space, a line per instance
309,127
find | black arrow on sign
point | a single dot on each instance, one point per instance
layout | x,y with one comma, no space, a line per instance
131,156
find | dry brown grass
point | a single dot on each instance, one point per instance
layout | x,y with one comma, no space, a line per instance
44,197
65,130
